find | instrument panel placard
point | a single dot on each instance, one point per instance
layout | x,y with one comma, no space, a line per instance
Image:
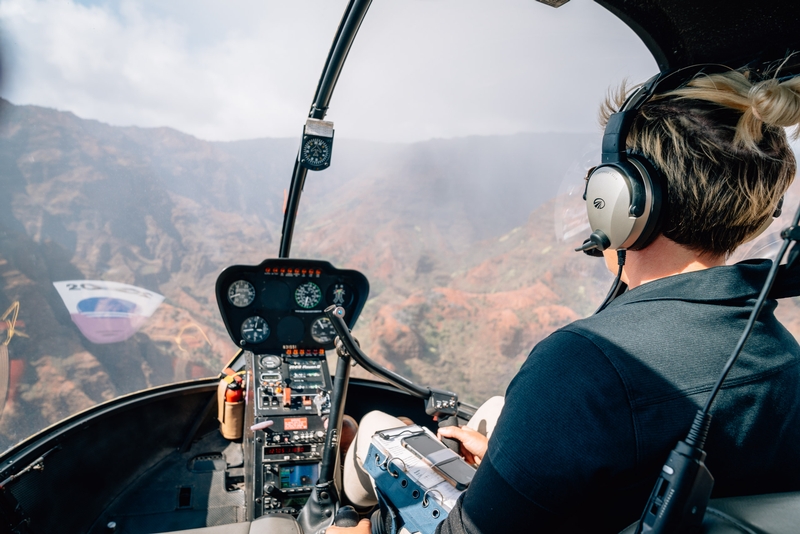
295,423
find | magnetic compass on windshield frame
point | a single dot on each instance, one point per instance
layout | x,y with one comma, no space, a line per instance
315,152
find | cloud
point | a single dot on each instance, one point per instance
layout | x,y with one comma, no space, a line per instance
244,69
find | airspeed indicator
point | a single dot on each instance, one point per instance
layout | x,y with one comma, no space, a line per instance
241,293
308,295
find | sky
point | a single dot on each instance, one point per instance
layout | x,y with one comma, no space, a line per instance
244,69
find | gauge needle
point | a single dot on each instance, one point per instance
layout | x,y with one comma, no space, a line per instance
262,425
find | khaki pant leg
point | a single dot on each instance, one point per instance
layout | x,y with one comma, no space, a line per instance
485,419
357,484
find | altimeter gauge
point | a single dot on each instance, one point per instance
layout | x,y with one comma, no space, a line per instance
255,329
322,331
241,293
308,295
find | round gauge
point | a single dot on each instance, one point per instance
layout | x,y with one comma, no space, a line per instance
322,331
307,295
255,329
339,295
241,293
270,362
316,151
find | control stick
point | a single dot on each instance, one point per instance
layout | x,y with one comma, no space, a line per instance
324,500
442,405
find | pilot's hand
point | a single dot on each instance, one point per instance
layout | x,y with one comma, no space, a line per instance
363,527
473,443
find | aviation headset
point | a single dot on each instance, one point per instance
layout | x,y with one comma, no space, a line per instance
625,194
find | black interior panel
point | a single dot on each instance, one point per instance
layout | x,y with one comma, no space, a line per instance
685,32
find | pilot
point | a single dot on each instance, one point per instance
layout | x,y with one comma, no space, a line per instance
595,410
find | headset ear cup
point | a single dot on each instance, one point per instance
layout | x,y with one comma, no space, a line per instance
655,192
626,186
624,204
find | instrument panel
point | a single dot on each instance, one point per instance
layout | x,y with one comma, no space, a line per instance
279,304
292,391
275,312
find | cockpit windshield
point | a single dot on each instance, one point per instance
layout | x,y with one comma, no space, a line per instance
146,146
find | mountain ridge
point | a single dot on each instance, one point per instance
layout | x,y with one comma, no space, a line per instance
457,238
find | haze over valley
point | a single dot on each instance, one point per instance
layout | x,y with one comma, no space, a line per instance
456,237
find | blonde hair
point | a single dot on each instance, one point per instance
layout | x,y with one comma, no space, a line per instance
720,143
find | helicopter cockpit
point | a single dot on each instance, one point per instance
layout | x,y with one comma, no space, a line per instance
257,447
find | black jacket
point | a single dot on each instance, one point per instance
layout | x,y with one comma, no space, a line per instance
593,413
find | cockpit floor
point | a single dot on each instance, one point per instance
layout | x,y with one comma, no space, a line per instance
201,487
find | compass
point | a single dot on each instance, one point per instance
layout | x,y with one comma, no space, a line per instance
316,152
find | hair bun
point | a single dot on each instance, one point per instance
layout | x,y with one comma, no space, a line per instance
776,104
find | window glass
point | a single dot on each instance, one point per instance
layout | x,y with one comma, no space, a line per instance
144,148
